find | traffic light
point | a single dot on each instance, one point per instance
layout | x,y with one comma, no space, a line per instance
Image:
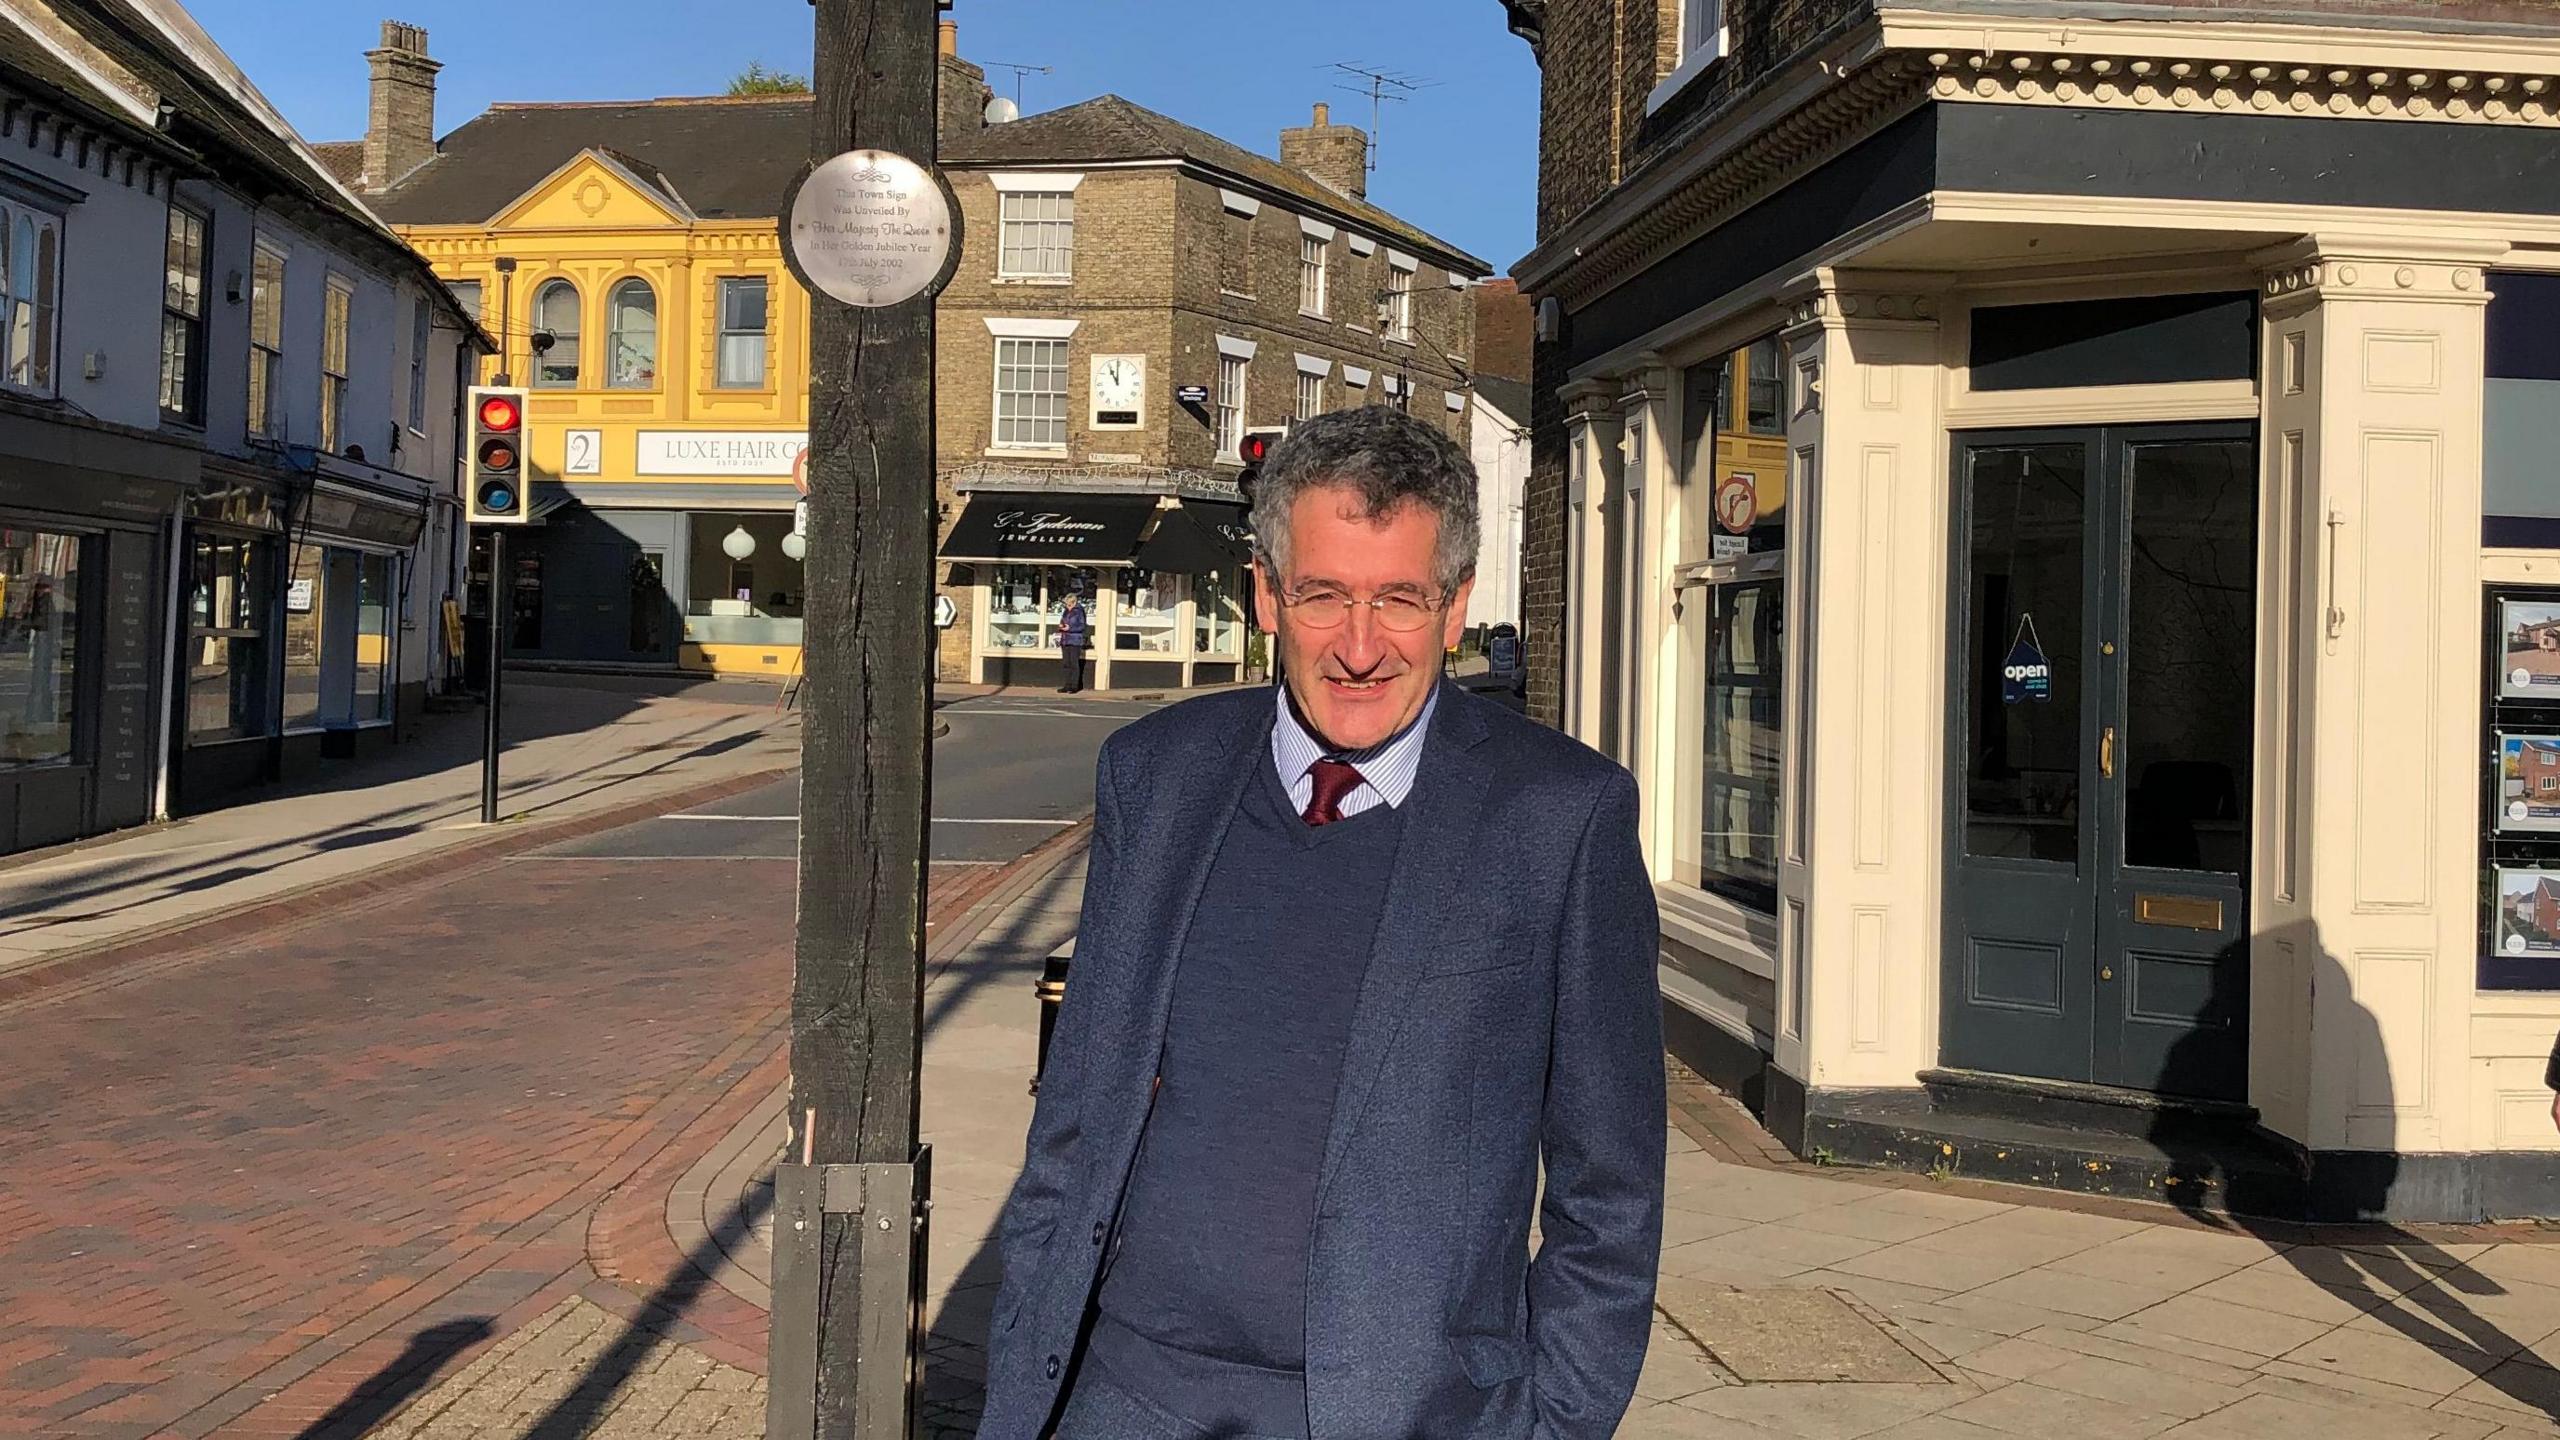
493,491
1254,448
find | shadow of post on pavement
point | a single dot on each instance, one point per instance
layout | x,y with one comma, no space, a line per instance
2400,1280
576,1413
397,1383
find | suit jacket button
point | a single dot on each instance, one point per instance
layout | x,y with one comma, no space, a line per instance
1100,1229
1052,1367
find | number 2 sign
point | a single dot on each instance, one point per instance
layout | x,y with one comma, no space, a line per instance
582,452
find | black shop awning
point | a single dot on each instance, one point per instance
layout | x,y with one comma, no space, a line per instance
1194,540
1082,529
1230,523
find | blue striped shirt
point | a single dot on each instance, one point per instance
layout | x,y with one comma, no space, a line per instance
1386,770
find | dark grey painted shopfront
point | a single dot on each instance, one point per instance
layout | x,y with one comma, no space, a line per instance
104,499
597,586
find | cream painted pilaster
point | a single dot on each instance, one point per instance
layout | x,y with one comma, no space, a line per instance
1592,423
1105,621
1646,633
1869,575
980,595
2365,895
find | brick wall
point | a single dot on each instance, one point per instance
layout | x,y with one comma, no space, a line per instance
1147,282
1542,541
1766,36
1602,60
1505,323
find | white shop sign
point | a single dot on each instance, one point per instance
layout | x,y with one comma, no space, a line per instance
719,452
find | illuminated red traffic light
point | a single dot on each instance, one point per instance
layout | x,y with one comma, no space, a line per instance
499,412
1252,448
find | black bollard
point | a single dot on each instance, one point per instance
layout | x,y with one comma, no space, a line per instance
1052,991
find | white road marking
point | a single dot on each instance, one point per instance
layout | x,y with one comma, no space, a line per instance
938,819
666,857
627,858
1041,710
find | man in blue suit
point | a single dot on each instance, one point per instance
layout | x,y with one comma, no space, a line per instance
1357,955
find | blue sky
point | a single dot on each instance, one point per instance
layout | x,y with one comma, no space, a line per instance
1459,159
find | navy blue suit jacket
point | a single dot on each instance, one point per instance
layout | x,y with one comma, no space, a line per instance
1509,1015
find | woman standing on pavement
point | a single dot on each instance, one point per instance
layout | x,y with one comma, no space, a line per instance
1075,633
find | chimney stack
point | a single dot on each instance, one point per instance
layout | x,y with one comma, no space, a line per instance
1336,155
400,127
960,100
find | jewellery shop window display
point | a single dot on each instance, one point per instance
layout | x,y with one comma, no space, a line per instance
2520,783
1218,629
1150,618
1024,603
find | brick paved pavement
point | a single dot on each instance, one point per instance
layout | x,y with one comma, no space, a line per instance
289,1179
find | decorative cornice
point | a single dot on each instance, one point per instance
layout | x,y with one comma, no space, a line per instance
2306,273
2145,82
1528,20
1860,305
1734,161
1862,102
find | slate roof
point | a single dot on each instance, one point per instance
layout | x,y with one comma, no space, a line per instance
1511,397
1110,128
28,59
733,158
344,159
220,113
156,54
728,158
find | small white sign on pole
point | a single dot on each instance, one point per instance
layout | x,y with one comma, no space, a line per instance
800,517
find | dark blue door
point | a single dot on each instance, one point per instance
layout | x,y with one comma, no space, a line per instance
2103,677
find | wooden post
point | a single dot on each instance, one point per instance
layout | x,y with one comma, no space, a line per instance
857,989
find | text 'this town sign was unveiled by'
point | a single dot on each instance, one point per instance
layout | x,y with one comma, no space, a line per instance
871,229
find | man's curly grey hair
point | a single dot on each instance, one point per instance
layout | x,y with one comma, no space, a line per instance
1388,459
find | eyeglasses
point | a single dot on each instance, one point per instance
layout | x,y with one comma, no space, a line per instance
1325,609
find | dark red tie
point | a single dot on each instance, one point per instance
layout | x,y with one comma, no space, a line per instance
1334,779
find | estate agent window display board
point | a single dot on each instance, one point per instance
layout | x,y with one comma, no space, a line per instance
2520,834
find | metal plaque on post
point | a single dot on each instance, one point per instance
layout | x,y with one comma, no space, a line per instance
872,229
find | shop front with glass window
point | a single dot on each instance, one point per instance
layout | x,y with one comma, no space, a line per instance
346,614
2114,692
85,519
646,585
231,646
1161,582
294,605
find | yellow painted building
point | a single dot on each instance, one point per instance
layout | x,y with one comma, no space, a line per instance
665,342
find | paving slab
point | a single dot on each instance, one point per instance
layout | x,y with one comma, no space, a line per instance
1787,1335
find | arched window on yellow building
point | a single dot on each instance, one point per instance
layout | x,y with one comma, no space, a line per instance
555,313
631,327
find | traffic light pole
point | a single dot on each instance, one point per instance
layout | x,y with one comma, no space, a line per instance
497,672
846,1328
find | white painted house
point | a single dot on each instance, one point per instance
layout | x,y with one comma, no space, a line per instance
229,409
1498,443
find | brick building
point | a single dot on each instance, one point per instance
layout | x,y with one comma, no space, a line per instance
1111,257
1134,295
2031,488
